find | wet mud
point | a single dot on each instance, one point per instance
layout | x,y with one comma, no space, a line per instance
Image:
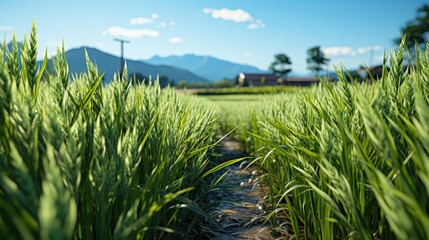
239,207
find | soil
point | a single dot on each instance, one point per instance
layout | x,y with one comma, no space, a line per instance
240,212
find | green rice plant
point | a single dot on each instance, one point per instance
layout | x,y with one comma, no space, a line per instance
347,160
79,160
234,108
13,61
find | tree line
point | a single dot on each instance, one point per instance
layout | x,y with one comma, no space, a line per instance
316,61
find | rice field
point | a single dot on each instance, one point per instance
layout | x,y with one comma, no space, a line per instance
347,160
79,160
83,161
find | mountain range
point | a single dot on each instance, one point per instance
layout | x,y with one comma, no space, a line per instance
208,67
109,65
191,68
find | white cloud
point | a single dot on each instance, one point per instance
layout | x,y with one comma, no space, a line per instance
337,51
252,26
141,21
255,25
207,10
163,24
144,20
363,50
130,33
6,28
172,23
238,15
246,54
176,40
348,51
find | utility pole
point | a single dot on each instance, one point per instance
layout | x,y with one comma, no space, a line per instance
122,64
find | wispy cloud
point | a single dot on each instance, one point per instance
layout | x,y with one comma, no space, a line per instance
337,51
165,24
348,51
141,21
130,33
238,15
176,40
255,25
246,54
363,50
6,28
144,20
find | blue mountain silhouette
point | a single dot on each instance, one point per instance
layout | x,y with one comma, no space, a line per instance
208,67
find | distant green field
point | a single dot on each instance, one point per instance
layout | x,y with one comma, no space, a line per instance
236,98
248,90
234,107
236,111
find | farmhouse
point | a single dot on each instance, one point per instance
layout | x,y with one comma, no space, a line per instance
256,79
299,81
375,71
252,80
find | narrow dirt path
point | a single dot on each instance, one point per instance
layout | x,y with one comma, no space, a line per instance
240,213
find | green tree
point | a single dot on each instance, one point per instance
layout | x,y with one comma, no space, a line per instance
182,84
417,30
163,81
137,78
225,83
280,65
316,59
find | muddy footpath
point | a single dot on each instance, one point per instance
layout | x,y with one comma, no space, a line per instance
239,208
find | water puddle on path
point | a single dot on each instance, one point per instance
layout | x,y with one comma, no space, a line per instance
241,212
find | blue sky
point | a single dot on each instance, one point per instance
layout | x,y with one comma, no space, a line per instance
243,31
